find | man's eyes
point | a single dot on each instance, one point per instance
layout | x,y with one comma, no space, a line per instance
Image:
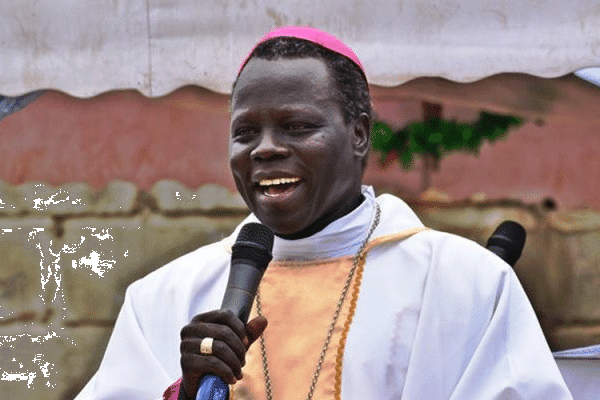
292,127
244,132
298,126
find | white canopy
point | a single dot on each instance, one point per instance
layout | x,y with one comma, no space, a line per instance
85,47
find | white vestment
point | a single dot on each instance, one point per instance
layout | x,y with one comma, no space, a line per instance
452,321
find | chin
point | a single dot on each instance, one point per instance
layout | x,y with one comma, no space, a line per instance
280,228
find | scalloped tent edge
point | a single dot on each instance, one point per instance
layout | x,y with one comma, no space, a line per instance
88,47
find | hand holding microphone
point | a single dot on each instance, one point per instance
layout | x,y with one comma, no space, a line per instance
251,254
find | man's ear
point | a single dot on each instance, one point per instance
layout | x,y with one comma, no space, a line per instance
362,130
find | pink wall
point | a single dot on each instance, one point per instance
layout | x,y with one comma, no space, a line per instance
118,135
556,160
183,136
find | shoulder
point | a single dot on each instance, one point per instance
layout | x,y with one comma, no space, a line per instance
441,248
443,259
450,251
464,276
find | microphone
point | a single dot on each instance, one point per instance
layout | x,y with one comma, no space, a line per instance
507,242
250,256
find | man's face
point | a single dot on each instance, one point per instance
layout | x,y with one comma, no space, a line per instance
294,159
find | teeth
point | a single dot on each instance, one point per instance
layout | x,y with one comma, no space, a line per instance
278,181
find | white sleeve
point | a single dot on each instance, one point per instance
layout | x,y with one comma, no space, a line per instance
129,370
142,357
478,336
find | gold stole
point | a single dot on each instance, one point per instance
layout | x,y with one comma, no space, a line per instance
298,300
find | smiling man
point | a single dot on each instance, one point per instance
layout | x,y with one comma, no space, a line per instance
296,158
362,301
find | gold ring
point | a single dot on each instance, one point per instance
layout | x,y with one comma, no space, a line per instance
206,346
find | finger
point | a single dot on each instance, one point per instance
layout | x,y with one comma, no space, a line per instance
219,350
223,317
255,328
190,384
222,333
194,366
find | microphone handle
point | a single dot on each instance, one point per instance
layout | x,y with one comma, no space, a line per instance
238,298
212,388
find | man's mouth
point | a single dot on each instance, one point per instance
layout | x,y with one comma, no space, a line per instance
278,186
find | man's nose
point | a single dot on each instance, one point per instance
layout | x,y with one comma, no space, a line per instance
270,145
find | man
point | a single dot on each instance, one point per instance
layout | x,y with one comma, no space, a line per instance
363,302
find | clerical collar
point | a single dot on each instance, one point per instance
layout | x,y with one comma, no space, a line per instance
342,237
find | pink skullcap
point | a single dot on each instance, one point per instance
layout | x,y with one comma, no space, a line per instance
311,34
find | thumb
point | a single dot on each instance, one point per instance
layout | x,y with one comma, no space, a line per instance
255,328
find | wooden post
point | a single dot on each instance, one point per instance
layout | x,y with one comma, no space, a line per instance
430,111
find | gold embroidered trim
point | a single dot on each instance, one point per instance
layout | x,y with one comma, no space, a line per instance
340,351
354,300
306,263
394,237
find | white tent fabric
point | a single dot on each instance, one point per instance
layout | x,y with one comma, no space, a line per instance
590,74
86,47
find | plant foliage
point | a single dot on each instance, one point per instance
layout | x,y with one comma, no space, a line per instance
438,137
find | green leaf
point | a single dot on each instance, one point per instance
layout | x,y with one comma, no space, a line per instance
439,137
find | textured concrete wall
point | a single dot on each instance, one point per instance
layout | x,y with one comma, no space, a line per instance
559,267
68,253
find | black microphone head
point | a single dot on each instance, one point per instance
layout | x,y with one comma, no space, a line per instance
254,243
251,254
507,241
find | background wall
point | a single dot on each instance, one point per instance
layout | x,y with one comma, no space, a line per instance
98,192
123,135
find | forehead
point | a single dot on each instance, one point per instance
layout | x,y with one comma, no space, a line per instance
284,82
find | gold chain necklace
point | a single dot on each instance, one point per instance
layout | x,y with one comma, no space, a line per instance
336,314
